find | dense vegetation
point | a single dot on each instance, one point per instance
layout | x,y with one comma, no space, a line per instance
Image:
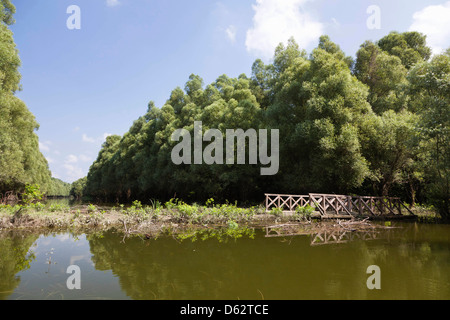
377,126
21,162
59,188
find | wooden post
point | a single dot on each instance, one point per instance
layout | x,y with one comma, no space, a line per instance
324,205
360,205
349,203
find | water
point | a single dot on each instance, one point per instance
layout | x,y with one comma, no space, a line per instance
414,260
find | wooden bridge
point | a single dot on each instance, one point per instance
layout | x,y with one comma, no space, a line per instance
332,206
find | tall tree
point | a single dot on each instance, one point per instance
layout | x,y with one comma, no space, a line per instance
410,47
21,162
385,75
430,85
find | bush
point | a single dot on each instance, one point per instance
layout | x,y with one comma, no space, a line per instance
304,212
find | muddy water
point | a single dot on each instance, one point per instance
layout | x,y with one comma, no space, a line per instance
413,259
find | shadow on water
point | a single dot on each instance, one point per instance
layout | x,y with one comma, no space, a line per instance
230,263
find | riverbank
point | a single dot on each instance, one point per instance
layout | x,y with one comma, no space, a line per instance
149,220
134,218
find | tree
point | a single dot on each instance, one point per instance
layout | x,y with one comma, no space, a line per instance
430,86
377,125
410,47
385,75
59,188
7,10
21,162
78,188
318,107
388,145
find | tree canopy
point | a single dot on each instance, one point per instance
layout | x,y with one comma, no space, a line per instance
21,162
375,125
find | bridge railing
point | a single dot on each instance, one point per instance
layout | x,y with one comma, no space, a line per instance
338,205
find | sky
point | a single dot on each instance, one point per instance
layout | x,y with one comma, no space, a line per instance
90,72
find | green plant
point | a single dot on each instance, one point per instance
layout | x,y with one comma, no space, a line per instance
209,202
38,206
31,194
232,224
155,204
276,211
172,203
137,204
91,208
304,212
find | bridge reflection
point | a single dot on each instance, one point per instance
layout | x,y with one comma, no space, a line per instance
328,233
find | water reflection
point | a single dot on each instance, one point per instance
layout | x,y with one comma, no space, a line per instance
15,256
232,263
327,234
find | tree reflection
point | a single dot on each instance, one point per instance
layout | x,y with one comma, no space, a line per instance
15,256
244,264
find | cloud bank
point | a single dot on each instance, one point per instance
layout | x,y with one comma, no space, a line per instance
434,21
276,21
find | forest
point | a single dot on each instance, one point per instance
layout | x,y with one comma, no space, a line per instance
377,124
21,162
373,124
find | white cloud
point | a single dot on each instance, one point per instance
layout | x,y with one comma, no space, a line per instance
73,172
44,146
434,21
100,139
50,160
276,21
335,22
71,159
112,3
84,158
106,135
87,139
231,33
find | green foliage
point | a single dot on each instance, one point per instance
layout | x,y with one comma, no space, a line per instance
91,208
54,207
7,10
137,204
32,194
78,187
377,125
277,212
155,204
430,87
220,234
304,213
21,162
410,47
59,188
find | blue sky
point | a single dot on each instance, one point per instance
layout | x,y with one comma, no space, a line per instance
86,83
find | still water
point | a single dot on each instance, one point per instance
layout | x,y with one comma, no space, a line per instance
414,260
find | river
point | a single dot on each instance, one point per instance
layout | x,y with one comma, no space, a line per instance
248,264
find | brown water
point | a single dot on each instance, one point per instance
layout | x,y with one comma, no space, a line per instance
414,261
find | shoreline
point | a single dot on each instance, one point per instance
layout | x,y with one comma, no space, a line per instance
148,221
